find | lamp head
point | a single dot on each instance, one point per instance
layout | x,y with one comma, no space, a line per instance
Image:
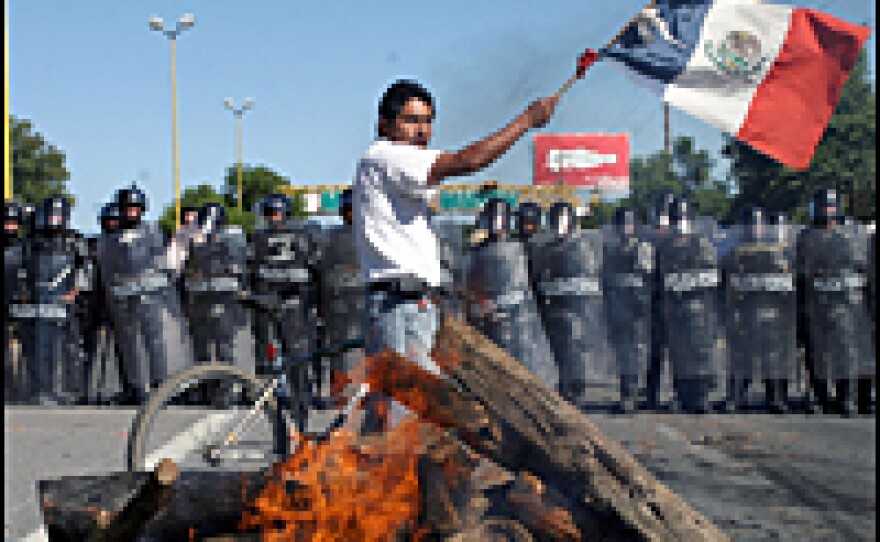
228,103
248,103
157,24
186,21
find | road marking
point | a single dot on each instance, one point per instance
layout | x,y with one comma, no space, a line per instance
189,439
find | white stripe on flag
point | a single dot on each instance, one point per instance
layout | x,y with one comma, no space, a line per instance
707,92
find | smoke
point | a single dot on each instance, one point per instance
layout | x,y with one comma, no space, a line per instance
485,84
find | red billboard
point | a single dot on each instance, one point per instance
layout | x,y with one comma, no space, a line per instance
584,159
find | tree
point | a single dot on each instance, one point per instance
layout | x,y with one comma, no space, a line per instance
193,196
845,159
687,172
38,167
256,182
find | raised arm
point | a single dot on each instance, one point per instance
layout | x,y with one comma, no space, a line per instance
478,155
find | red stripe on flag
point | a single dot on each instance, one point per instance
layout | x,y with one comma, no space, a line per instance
795,101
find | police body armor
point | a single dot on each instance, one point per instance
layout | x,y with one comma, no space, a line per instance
15,381
629,267
687,268
760,310
833,292
285,265
213,277
567,274
147,316
87,311
501,304
342,298
105,385
52,345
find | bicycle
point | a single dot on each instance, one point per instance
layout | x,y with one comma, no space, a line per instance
219,438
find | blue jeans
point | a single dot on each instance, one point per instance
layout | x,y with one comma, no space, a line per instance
405,325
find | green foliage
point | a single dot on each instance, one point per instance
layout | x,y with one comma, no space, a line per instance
38,167
687,172
256,182
195,196
845,159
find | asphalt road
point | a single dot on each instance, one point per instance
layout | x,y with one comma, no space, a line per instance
759,477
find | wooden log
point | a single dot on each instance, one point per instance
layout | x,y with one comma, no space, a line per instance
502,410
102,509
147,506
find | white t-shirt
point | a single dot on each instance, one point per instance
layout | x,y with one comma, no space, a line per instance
391,196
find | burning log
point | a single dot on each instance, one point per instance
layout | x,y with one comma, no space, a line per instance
508,414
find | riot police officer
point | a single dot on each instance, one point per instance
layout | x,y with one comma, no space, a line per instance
500,301
833,307
214,275
147,316
687,267
760,305
629,267
54,264
13,218
528,220
342,294
657,352
568,279
105,378
285,268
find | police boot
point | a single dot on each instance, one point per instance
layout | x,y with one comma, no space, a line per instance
846,405
774,391
865,400
629,388
822,396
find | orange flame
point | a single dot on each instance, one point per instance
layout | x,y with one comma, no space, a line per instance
342,490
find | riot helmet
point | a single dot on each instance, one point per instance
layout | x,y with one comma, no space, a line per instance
109,217
13,218
753,220
276,209
346,206
681,215
625,220
132,204
528,218
561,219
661,210
55,216
497,218
777,226
212,216
189,215
825,207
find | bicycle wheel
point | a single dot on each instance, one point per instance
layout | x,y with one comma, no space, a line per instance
196,436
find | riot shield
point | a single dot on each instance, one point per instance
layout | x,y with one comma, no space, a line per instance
500,303
568,277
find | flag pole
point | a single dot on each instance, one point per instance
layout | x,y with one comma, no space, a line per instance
578,74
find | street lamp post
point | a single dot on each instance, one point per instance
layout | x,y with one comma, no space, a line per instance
184,23
238,113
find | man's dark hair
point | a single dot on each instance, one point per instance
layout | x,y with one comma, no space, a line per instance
397,95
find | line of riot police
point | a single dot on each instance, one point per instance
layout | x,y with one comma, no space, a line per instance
771,306
108,320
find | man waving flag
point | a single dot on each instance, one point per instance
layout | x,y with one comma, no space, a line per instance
769,74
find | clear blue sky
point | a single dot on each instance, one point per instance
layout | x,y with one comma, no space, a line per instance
96,82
